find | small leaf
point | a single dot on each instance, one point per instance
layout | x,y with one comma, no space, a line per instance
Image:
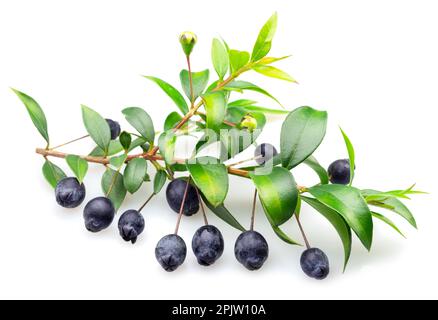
273,72
113,187
238,59
116,147
199,80
141,121
172,120
242,103
211,177
97,127
36,113
215,106
350,204
219,56
266,110
301,133
166,143
125,140
278,194
134,174
174,94
351,157
146,177
245,85
283,236
263,43
78,165
269,60
320,170
118,161
222,212
52,173
388,222
159,181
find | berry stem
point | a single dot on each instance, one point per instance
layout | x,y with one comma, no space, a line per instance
202,207
253,210
192,96
181,209
146,202
71,141
302,232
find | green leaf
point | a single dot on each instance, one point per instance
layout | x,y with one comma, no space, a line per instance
78,165
269,60
134,174
242,103
338,223
219,56
166,143
174,94
141,121
222,212
392,194
125,140
199,80
320,170
273,72
211,177
113,187
350,204
388,221
350,150
118,161
238,59
159,181
215,107
97,127
263,43
239,85
265,110
52,173
146,178
172,120
36,114
301,133
278,194
283,236
115,147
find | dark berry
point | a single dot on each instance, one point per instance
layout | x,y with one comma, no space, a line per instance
264,152
339,171
131,225
171,252
175,194
315,263
98,214
207,245
251,250
114,128
69,192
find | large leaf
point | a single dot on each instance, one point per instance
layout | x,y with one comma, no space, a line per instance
338,223
350,204
219,56
301,133
264,39
172,120
97,127
78,165
159,181
224,214
166,143
211,177
278,194
199,80
215,106
35,112
238,59
113,187
239,85
141,121
52,173
351,156
134,174
273,72
174,94
388,221
320,170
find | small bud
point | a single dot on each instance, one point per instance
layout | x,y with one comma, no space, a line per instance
188,40
248,122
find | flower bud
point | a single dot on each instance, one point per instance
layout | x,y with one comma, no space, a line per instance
248,122
188,40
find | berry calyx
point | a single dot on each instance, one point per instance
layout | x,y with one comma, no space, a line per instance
264,152
251,250
315,263
69,192
171,252
207,245
131,225
339,172
114,128
99,214
175,194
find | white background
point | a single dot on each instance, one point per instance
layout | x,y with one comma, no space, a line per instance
371,64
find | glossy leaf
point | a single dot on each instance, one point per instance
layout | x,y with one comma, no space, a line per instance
219,56
215,106
141,121
172,120
278,194
52,173
301,133
97,127
210,178
338,223
351,156
113,187
222,212
199,80
263,43
78,165
166,142
174,94
238,59
388,221
239,85
320,170
36,114
125,140
273,72
134,174
283,236
159,181
118,161
350,204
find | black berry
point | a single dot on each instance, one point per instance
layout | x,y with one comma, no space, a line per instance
69,192
315,263
131,225
207,245
175,194
264,152
171,252
251,250
114,128
98,214
339,171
